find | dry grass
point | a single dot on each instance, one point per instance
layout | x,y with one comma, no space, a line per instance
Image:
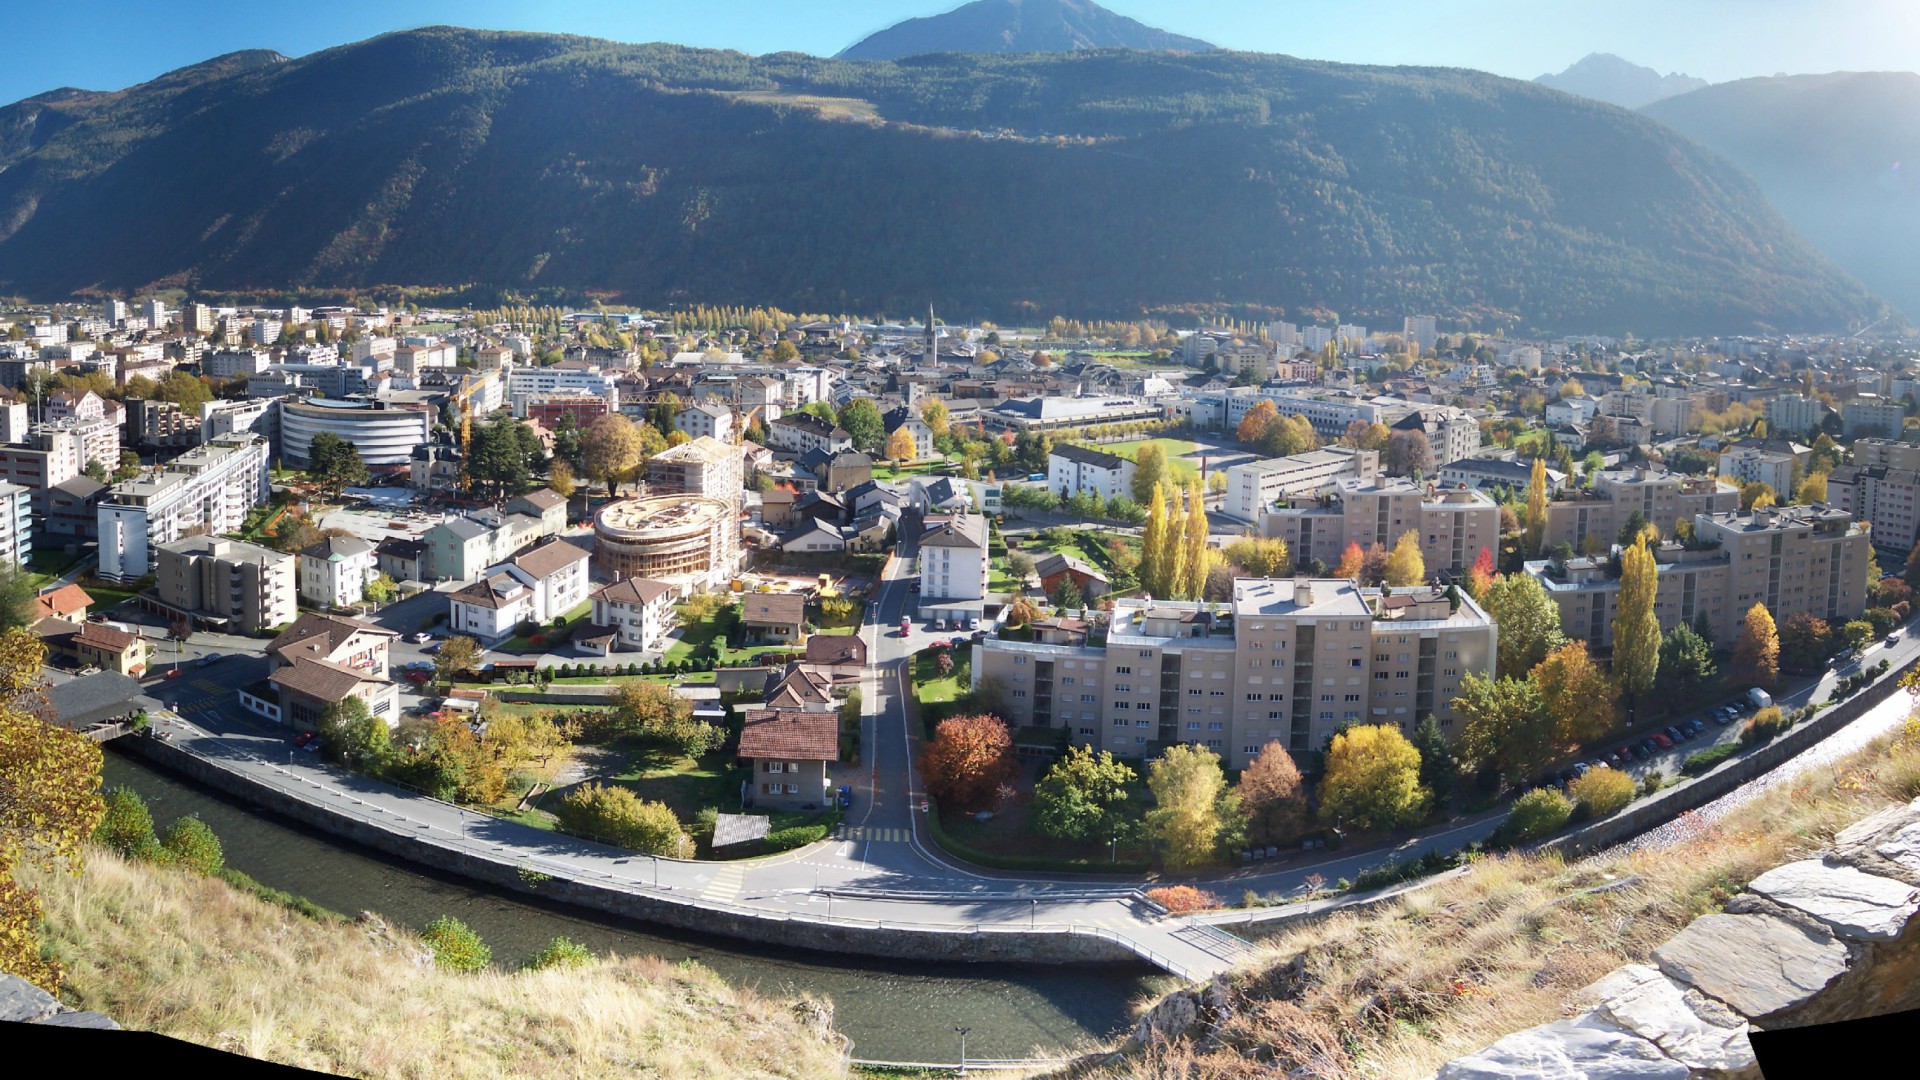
160,950
1398,990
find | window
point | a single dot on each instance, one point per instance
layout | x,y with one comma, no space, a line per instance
1353,697
1142,723
1193,725
1123,688
1119,721
1250,751
1019,693
1216,726
1146,654
1195,692
1143,706
1123,670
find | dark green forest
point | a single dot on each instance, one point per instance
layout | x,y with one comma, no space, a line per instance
1095,184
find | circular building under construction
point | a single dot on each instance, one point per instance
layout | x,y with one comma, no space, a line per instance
689,541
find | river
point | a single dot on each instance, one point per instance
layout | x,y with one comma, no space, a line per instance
892,1010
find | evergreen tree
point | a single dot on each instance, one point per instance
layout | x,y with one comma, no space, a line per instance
1438,768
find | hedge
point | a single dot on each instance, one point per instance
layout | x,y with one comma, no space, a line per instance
998,861
1704,760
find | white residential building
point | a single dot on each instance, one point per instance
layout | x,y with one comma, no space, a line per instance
1254,487
1074,469
1791,416
16,524
525,382
538,587
637,612
1747,464
209,488
953,559
708,418
335,572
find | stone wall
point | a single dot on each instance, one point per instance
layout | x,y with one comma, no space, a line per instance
891,940
21,1002
1834,937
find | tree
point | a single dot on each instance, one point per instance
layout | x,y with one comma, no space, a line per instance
1406,567
1067,595
49,804
1756,655
967,761
1805,642
1409,453
95,471
1372,779
456,946
1193,808
1686,662
1149,468
191,845
611,449
382,589
1858,634
1602,791
1272,796
334,463
1537,813
1577,694
1254,424
1195,556
1156,554
1480,576
129,466
560,478
664,410
1438,769
1812,489
458,654
1912,572
861,420
1260,557
1528,619
617,814
1083,797
349,732
900,445
184,390
1353,562
1505,727
1536,507
1636,626
934,415
127,825
17,594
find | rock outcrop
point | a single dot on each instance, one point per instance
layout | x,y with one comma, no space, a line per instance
21,1002
1830,938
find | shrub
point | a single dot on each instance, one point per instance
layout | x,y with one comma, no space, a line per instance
622,817
1653,781
1602,791
1538,813
561,953
1181,899
796,837
190,844
1704,760
128,826
1763,726
455,945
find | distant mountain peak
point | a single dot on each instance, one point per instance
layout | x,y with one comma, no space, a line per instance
1606,77
1019,26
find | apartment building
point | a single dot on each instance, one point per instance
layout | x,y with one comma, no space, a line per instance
953,562
702,466
1254,487
1662,498
320,661
705,418
334,573
523,383
1451,433
633,613
1886,496
1892,453
797,433
1288,660
1453,524
537,587
208,489
1794,414
1872,415
1793,559
1746,464
16,524
235,586
1074,469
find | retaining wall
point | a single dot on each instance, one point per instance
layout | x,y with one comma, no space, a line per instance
893,941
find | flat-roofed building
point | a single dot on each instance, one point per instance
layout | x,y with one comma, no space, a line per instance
1888,497
209,489
1288,661
1254,487
1073,469
236,586
1453,524
1591,520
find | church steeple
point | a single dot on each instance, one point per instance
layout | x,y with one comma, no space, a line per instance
933,339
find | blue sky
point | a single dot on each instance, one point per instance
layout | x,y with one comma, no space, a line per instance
108,44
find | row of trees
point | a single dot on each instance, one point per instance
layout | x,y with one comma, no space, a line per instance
1174,555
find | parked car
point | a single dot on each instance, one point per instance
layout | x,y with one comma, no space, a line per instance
421,638
173,672
1695,726
939,624
419,678
303,738
434,649
1673,732
1579,770
846,796
1649,747
312,746
973,624
1661,740
1893,638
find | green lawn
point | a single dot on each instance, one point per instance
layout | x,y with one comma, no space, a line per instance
106,596
686,785
929,686
921,468
554,634
1175,449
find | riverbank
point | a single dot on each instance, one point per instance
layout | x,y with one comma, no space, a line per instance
209,964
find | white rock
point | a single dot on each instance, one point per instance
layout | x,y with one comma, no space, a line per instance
1757,964
1855,904
1688,1026
1584,1048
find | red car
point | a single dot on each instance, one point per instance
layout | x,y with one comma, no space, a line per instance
303,738
419,678
1661,741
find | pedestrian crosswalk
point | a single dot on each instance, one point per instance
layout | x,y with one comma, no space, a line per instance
726,883
874,834
210,686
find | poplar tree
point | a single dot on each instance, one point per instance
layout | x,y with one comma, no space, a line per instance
1636,628
1153,545
1196,558
1536,507
1756,655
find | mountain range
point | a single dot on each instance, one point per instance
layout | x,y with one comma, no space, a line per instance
1105,183
1835,153
1012,26
1606,77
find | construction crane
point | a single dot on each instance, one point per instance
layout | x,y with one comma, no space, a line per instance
469,385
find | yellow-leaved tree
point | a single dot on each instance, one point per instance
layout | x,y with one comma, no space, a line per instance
1536,506
1636,627
1372,779
49,803
1194,813
1406,567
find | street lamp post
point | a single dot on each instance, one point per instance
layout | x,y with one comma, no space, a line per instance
1033,914
964,1031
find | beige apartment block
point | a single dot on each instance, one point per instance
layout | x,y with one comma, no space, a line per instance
230,584
1289,660
1793,559
1663,499
1453,523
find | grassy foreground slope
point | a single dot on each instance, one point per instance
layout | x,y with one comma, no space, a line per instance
191,957
1397,991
